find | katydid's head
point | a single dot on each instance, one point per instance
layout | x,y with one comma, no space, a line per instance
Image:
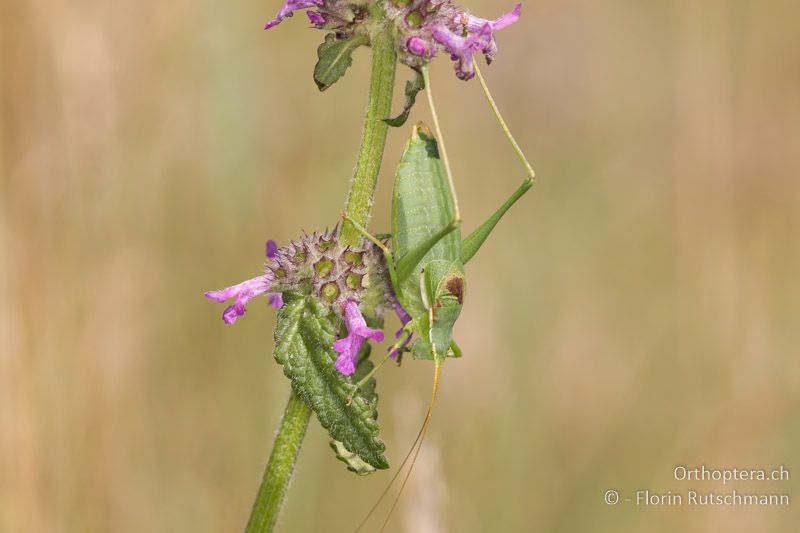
444,288
445,284
423,28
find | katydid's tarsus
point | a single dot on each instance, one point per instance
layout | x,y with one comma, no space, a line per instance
427,256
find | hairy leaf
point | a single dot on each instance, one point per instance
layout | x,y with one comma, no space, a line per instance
304,339
353,461
335,56
413,87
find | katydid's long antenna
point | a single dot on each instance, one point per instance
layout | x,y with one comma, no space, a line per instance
391,482
503,125
437,371
417,440
427,78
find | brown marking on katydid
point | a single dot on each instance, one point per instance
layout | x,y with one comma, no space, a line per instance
455,286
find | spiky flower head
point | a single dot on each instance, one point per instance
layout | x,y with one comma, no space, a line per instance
423,28
352,281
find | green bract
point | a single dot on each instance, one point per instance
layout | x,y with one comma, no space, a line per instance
335,57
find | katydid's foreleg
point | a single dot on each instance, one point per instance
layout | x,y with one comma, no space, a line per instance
473,242
387,254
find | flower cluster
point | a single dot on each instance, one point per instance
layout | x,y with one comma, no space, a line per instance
330,14
424,27
429,26
351,281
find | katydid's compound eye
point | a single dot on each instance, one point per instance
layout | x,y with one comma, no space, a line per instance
455,286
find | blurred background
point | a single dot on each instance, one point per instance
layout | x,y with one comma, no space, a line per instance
638,310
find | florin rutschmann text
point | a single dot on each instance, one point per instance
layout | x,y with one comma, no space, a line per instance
698,495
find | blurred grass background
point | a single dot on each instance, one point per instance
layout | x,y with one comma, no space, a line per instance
637,310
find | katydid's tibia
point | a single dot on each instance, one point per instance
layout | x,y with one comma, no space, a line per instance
427,256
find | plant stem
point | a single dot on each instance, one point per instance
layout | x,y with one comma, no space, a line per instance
359,204
373,141
280,467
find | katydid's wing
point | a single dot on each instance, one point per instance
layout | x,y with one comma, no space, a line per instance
422,213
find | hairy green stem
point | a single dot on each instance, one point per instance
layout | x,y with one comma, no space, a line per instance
373,141
359,204
279,470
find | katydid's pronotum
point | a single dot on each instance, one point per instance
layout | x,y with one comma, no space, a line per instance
427,256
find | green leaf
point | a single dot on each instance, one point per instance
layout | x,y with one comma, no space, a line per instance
353,461
335,56
413,87
304,338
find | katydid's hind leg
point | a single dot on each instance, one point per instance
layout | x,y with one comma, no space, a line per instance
473,242
520,155
387,254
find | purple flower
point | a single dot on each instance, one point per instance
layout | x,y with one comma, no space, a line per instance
243,292
462,48
316,18
476,24
423,27
417,46
272,249
340,277
276,300
405,318
357,334
289,8
426,28
469,34
247,290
